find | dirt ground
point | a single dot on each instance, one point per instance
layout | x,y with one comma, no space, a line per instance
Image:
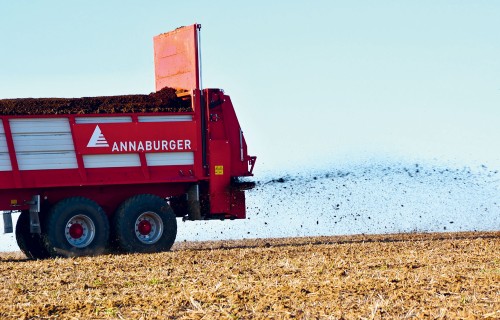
164,100
409,276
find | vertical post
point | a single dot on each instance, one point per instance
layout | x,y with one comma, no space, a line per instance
203,114
198,53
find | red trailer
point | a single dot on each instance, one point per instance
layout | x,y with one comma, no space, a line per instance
85,182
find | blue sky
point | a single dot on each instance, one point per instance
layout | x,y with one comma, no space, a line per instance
312,82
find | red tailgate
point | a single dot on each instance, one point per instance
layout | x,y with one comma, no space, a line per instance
176,59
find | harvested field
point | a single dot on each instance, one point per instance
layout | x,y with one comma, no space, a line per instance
454,275
164,100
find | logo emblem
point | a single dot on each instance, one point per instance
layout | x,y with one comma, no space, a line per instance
97,140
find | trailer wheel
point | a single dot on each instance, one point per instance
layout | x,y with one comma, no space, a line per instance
31,244
76,227
145,223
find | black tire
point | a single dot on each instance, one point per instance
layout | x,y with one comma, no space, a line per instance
31,244
144,223
76,227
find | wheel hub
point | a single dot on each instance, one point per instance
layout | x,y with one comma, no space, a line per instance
144,227
76,231
80,231
148,227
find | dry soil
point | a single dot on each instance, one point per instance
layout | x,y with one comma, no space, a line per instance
409,276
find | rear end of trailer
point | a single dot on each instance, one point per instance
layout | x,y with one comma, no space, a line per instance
96,178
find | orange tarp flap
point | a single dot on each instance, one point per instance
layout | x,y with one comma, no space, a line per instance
176,59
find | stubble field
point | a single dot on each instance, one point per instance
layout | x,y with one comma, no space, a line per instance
439,276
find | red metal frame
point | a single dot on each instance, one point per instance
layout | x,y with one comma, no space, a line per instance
109,197
81,135
19,185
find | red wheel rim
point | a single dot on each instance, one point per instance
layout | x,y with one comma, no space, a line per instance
144,227
76,231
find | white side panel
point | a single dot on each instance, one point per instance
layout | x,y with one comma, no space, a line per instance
46,160
43,143
39,125
5,162
112,160
4,151
169,158
103,119
3,141
178,118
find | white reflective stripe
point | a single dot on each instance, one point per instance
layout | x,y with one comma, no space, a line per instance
43,143
169,158
111,160
124,119
177,118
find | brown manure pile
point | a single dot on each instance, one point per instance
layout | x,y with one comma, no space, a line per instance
164,100
411,276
